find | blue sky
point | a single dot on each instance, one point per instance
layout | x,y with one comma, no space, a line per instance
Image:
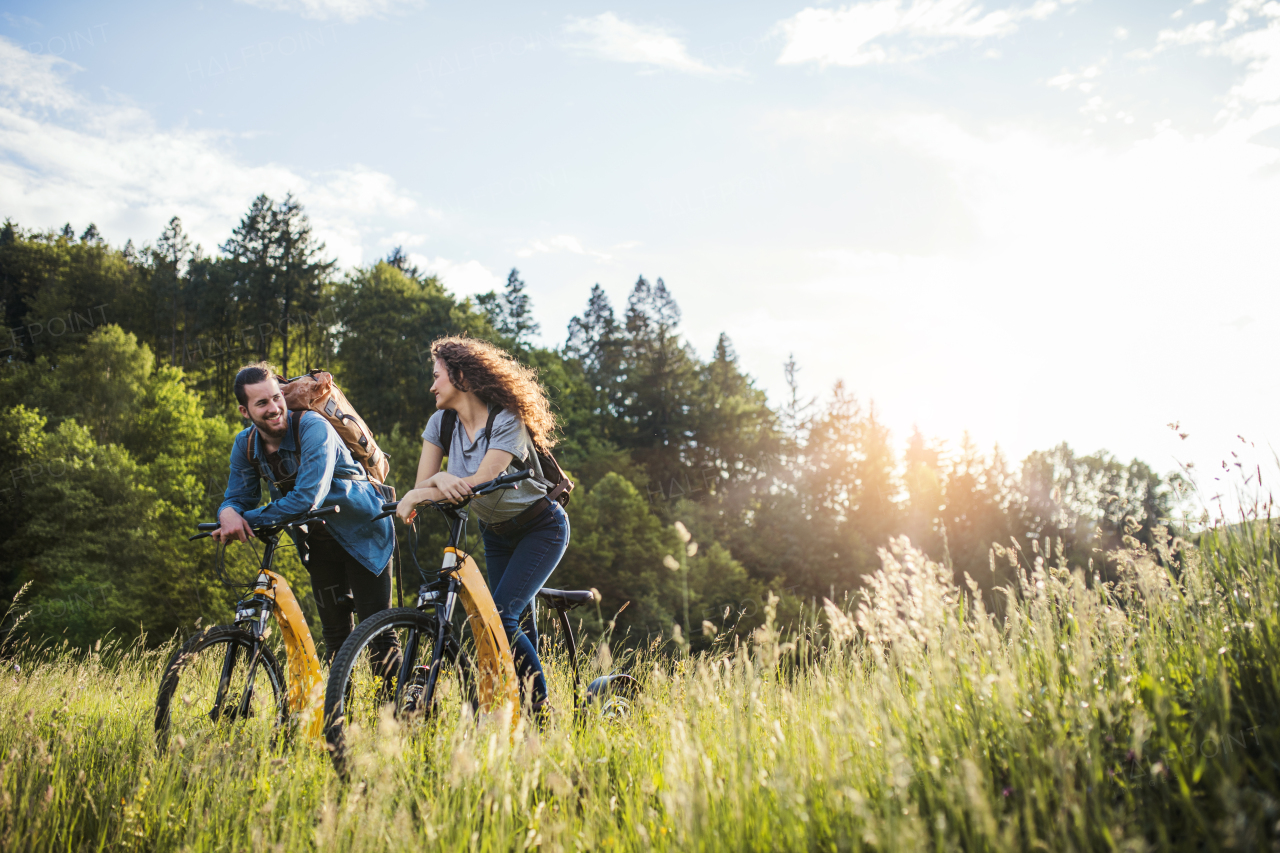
1038,220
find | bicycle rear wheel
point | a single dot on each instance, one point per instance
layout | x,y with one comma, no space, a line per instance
365,680
202,692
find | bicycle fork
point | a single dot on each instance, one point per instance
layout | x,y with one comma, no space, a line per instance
444,616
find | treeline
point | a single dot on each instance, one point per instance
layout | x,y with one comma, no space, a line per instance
116,417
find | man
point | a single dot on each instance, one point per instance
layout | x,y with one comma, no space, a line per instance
307,466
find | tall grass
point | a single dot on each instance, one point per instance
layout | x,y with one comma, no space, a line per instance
1136,715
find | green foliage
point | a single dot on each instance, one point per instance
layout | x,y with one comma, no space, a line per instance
100,507
511,313
618,546
133,351
279,272
388,323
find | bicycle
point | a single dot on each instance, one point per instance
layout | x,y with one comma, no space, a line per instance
217,688
425,680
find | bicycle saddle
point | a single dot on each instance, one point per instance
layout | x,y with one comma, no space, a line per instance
566,599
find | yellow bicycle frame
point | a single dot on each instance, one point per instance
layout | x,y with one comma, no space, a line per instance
496,671
306,694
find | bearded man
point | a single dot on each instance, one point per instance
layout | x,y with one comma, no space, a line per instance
307,466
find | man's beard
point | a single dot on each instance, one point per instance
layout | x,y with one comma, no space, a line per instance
273,432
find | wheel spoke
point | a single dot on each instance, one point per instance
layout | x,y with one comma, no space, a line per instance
384,670
208,689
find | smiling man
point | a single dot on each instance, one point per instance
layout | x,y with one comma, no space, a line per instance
306,465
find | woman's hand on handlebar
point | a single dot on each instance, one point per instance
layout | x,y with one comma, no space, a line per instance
452,488
233,526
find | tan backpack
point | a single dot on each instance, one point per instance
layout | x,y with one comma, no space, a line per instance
314,391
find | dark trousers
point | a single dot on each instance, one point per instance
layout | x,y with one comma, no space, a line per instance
519,563
344,588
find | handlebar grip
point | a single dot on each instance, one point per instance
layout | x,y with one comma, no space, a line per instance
390,506
324,510
503,481
208,525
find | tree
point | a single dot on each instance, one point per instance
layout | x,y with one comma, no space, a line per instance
384,343
1087,501
617,548
737,434
595,340
281,276
660,380
400,261
511,314
168,280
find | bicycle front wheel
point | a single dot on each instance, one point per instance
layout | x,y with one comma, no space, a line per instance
220,679
385,667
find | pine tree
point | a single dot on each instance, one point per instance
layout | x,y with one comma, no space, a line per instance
282,275
400,261
595,339
171,255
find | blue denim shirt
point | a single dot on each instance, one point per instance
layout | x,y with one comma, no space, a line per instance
323,455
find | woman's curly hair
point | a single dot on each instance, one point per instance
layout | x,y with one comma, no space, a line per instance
498,380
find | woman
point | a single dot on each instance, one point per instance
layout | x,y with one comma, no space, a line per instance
525,533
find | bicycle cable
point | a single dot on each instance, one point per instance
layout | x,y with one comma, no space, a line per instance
220,565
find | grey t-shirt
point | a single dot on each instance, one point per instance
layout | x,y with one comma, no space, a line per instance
465,454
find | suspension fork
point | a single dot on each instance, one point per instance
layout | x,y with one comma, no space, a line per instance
254,657
224,682
444,615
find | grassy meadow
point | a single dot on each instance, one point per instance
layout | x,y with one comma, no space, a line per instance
1133,715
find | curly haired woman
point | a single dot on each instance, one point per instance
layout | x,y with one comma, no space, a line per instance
525,533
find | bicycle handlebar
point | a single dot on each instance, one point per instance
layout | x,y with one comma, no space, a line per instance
208,527
502,481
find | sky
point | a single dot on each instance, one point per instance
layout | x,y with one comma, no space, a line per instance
1032,220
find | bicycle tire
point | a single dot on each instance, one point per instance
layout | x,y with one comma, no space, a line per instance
189,669
346,667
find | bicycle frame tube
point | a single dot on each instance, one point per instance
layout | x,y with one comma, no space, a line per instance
306,691
497,682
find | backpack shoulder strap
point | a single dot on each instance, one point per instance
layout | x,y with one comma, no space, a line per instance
448,421
488,425
252,447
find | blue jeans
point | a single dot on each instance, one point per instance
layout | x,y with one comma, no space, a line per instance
519,563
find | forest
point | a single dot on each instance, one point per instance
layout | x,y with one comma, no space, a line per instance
117,416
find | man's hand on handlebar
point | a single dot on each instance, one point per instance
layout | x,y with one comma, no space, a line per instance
233,526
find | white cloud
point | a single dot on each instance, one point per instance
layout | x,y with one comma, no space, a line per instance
463,278
856,34
559,243
34,80
1250,36
1201,33
609,37
65,157
343,10
1082,79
